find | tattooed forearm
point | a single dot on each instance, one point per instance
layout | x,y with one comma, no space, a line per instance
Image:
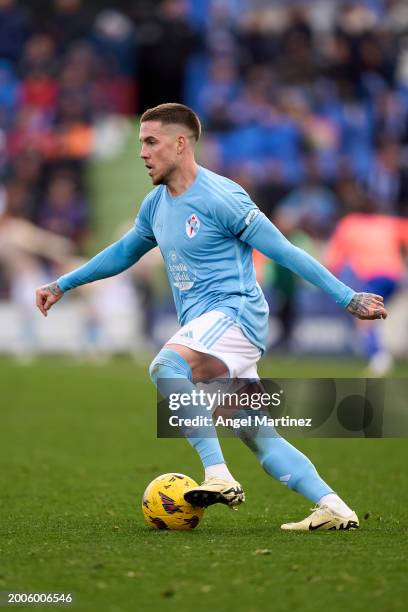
53,289
367,306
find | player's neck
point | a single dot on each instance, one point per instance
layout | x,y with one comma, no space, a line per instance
182,179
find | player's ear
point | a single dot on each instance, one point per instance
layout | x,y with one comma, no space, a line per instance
181,144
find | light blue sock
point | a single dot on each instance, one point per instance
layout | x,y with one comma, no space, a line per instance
171,373
282,460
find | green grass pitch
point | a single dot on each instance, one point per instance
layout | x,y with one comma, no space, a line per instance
78,446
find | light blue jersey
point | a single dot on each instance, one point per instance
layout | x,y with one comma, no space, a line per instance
200,235
206,236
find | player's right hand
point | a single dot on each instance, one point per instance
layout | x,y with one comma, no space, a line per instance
46,296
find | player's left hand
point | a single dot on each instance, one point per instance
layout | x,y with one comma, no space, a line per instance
367,306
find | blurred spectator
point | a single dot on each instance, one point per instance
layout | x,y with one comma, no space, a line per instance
341,64
64,210
15,28
10,92
297,63
260,36
387,180
115,41
68,22
114,38
27,169
222,88
312,207
39,87
38,58
27,173
17,199
166,41
390,116
366,251
74,103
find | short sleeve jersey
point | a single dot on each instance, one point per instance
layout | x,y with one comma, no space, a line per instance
201,235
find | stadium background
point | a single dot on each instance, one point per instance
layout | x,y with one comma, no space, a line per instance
305,104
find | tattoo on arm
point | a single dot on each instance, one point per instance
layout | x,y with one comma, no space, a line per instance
53,289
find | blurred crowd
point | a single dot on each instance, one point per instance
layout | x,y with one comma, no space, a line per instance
305,103
57,77
310,95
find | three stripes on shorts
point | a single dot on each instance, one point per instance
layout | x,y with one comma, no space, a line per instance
214,333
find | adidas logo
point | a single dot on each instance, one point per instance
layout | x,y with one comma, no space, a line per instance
187,334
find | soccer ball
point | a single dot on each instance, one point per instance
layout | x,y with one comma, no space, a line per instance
164,506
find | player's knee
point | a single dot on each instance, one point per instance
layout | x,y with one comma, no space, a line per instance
169,364
154,369
159,368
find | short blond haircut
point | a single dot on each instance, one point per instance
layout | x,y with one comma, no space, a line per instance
174,113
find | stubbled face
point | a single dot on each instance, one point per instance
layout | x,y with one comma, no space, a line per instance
159,150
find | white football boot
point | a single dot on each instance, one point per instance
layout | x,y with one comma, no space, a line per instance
216,490
322,518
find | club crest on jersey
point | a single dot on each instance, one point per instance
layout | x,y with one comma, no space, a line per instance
192,225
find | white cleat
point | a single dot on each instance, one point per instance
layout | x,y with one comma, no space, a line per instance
322,518
216,490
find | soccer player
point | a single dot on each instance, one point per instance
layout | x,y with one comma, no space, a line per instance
206,227
370,246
